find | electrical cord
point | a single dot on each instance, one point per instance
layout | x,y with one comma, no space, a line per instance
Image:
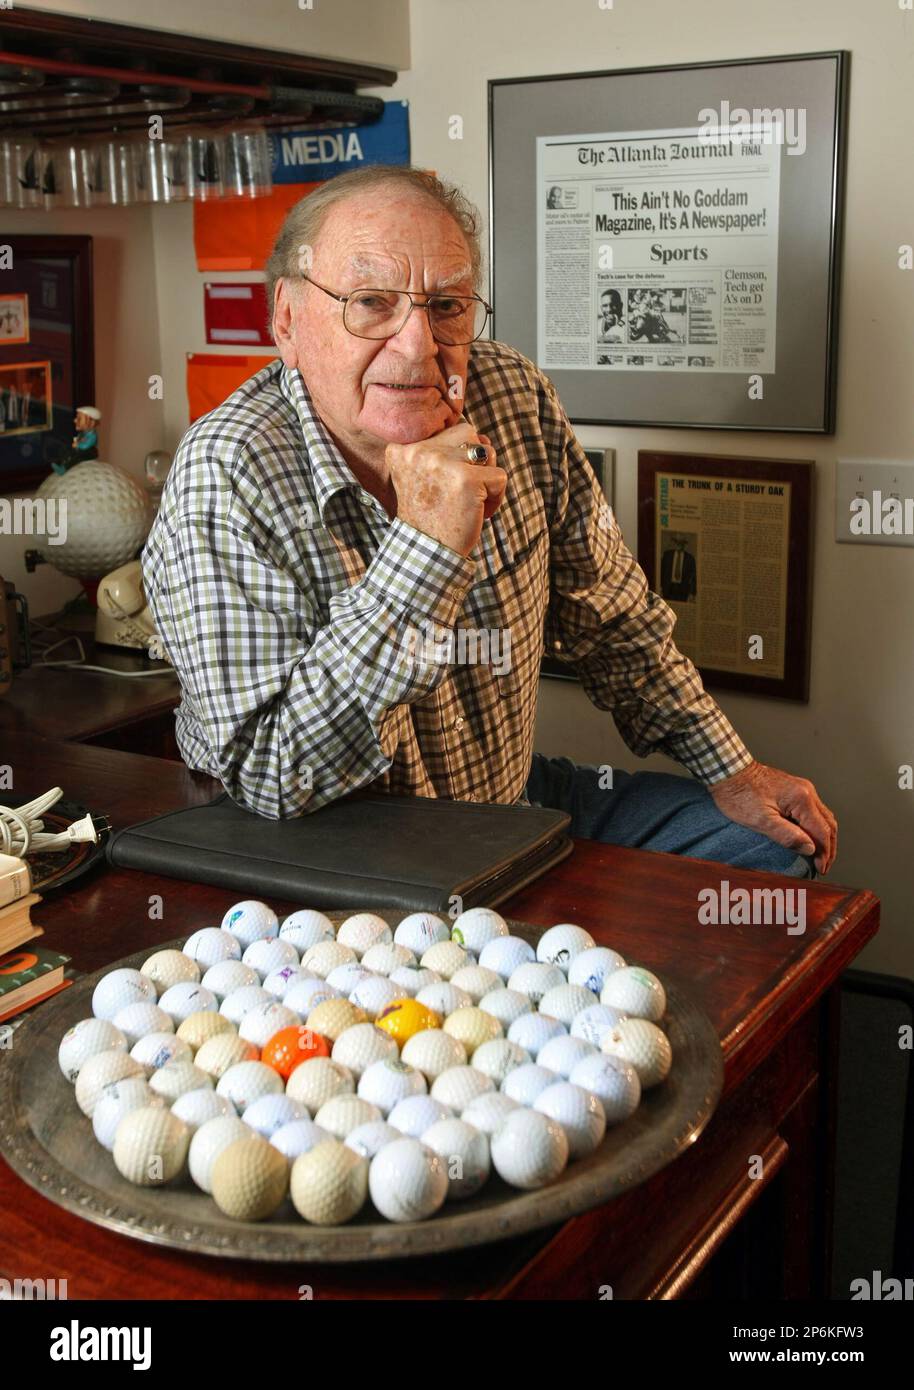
82,664
22,829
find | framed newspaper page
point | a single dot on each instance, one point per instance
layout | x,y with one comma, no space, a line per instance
726,542
665,242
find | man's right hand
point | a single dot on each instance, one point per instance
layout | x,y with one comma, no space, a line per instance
440,492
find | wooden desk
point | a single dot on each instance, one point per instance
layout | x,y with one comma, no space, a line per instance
701,1228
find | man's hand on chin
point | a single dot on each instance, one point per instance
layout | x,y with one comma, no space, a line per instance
785,808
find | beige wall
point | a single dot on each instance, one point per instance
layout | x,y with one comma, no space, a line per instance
126,355
363,31
859,724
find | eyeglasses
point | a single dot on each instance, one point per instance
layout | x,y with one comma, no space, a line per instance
454,319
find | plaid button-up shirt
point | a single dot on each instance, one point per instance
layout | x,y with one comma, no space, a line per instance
323,647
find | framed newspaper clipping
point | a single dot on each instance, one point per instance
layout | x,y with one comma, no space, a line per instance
665,242
726,542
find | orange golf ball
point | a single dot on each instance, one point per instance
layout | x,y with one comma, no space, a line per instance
291,1046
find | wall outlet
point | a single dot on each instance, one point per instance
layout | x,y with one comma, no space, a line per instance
874,502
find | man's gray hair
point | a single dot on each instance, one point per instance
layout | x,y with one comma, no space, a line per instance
303,222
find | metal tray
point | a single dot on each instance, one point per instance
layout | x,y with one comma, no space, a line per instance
48,1142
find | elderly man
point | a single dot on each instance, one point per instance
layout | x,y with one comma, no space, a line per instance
395,475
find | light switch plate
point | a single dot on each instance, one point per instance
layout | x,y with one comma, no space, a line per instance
886,486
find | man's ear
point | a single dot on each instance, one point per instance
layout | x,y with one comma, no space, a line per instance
283,322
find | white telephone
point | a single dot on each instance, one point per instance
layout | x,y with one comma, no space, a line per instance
123,618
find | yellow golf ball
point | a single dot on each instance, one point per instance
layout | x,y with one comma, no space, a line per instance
403,1018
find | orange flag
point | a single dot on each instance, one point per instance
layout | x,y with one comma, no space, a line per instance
211,377
238,233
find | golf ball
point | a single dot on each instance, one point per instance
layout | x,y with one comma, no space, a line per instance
169,967
240,1002
476,981
270,1113
472,1027
185,998
563,1053
262,1022
218,1054
591,1023
369,1139
457,1086
209,1141
636,992
199,1028
525,1083
565,1001
176,1079
443,998
84,1040
613,1080
373,994
298,1137
590,968
316,1080
534,979
210,945
579,1112
326,956
505,1004
155,1050
533,1031
487,1112
340,1115
227,976
386,1082
499,1057
246,1082
249,921
416,1114
269,954
120,987
150,1146
529,1150
432,1052
362,1044
407,1181
116,1101
195,1108
305,928
419,931
100,1070
329,1184
386,957
478,926
445,958
505,954
642,1044
559,945
464,1151
250,1179
363,930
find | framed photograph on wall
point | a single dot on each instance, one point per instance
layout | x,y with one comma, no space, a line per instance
47,352
665,242
726,541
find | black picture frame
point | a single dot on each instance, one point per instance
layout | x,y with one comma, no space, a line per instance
800,392
53,372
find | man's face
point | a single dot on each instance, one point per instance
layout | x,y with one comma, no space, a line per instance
384,239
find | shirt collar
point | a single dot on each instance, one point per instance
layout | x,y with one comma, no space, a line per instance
331,474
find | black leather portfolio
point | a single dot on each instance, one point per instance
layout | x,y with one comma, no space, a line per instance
365,850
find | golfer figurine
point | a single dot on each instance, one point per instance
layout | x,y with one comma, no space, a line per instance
85,440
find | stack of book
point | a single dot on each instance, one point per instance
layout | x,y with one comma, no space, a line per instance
28,972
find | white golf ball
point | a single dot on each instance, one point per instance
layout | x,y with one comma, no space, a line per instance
579,1112
432,1052
227,976
499,1057
386,957
614,1081
297,1137
326,956
534,979
314,1081
185,998
169,967
279,982
446,958
373,994
407,1181
363,930
478,926
176,1079
340,1115
409,979
443,998
562,1054
118,988
197,1107
116,1101
84,1040
209,1141
236,1005
525,1083
100,1070
506,1005
419,931
477,981
488,1111
636,992
269,954
260,1023
559,945
246,1082
533,1031
156,1050
417,1114
150,1146
305,995
225,1050
346,977
642,1044
210,945
505,954
370,1138
464,1151
357,1047
305,928
591,1023
529,1150
250,920
565,1001
590,968
388,1081
329,1184
457,1086
136,1020
270,1113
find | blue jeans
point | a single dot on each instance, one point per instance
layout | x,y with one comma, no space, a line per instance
655,810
